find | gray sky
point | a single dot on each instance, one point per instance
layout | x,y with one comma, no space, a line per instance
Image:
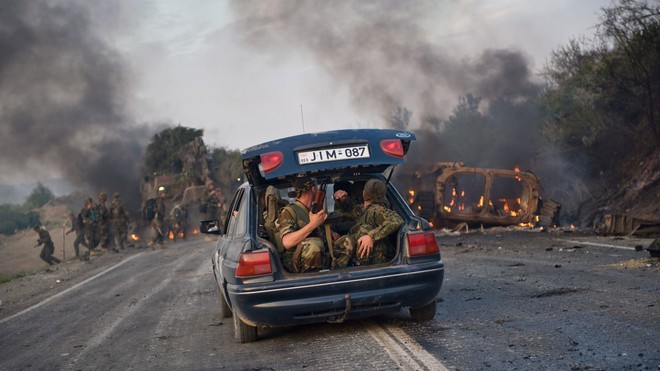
242,70
196,69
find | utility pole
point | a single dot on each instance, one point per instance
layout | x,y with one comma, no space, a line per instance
64,241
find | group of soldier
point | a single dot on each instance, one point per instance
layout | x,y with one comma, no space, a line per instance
99,227
176,224
366,240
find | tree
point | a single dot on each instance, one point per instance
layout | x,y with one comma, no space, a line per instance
38,197
163,156
633,28
14,218
227,170
603,93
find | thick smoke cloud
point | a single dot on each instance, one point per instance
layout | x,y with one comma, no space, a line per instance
379,50
62,91
388,60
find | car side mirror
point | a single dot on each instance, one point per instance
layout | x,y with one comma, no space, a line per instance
210,227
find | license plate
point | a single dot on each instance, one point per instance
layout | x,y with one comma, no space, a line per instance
333,154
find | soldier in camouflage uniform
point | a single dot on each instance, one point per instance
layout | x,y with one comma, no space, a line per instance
374,223
90,221
213,202
120,218
298,228
77,226
103,226
158,222
48,249
179,221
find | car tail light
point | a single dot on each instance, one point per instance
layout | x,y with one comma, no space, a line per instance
392,147
422,244
253,264
271,161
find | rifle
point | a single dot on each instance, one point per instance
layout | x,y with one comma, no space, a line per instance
317,204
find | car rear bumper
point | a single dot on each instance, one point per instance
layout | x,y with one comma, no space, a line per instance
333,297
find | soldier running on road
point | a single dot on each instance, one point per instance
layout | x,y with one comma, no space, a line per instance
48,249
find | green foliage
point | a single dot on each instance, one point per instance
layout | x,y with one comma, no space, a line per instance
39,196
5,278
163,155
14,217
603,93
226,170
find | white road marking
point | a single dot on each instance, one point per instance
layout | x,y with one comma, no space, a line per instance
49,299
402,349
596,244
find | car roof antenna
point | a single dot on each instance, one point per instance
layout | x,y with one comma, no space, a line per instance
302,118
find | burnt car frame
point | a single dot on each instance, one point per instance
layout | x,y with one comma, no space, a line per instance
257,291
454,193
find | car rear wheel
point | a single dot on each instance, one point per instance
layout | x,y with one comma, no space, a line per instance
243,332
423,313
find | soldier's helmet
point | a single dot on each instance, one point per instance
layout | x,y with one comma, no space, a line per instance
375,190
161,190
88,200
115,195
103,196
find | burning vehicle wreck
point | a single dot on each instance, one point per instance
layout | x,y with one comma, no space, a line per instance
451,193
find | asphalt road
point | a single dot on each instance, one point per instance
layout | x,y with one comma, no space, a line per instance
511,300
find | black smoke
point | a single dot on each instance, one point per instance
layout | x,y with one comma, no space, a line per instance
63,92
480,110
379,50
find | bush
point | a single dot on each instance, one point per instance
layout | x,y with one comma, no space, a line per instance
13,218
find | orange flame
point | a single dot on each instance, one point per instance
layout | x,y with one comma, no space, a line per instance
411,200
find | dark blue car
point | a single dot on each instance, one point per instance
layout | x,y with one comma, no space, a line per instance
253,285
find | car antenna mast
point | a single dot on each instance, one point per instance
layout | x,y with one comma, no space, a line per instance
302,118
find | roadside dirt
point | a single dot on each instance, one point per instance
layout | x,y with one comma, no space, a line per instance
44,281
32,279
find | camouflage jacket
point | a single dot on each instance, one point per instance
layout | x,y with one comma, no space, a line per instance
383,220
288,220
102,213
160,209
118,212
212,200
89,216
